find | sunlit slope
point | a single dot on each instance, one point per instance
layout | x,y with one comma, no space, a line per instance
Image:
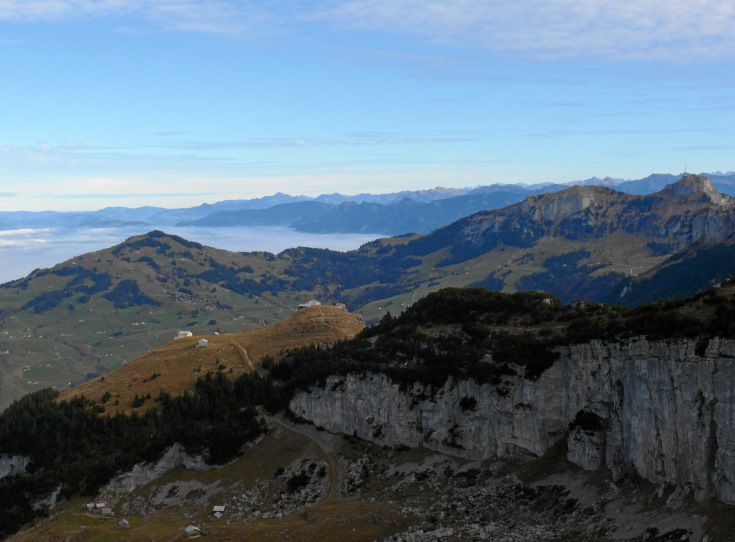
175,366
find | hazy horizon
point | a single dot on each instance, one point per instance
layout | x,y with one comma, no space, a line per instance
114,204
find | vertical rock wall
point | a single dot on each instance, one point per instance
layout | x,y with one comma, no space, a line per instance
664,411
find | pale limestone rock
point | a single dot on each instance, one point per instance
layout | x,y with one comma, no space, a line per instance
143,473
669,413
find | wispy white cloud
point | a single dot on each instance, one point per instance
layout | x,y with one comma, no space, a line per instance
175,156
24,231
24,237
32,10
674,31
20,243
58,157
680,31
47,148
210,16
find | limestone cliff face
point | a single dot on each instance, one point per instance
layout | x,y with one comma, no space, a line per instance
688,211
662,409
527,420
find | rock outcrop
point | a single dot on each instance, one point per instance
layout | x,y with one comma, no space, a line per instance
664,410
143,473
686,212
13,464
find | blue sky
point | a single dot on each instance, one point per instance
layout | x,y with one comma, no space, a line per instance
177,102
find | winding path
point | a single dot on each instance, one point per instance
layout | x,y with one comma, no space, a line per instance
347,332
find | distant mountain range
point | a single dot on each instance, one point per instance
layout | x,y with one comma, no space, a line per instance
591,243
397,213
399,217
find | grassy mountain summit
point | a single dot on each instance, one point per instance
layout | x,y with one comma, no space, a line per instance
175,366
90,314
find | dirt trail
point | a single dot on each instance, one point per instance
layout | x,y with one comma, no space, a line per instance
347,332
243,355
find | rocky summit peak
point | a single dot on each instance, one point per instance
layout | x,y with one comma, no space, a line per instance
692,184
697,186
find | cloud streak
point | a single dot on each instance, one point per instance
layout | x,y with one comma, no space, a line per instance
24,231
674,31
198,151
355,139
677,31
209,16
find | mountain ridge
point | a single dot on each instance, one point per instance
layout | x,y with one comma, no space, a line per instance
584,243
340,222
592,211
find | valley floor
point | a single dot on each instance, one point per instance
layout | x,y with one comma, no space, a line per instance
299,483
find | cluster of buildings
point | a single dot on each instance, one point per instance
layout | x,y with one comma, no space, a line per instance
184,334
192,531
105,511
100,508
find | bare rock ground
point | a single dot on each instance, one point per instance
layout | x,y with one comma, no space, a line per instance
301,480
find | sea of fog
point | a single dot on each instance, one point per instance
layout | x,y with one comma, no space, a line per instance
22,251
